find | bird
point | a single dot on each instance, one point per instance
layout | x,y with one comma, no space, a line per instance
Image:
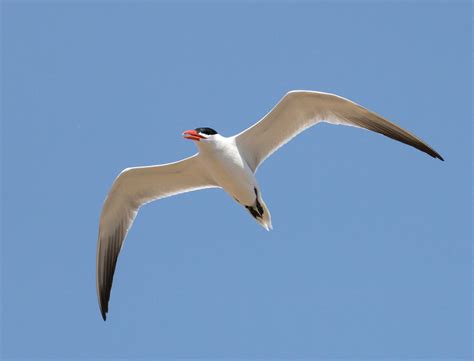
229,163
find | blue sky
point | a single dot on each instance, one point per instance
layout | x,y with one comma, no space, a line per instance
371,250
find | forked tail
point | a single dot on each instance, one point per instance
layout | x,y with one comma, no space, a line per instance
260,212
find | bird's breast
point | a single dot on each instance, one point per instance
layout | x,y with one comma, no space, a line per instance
231,172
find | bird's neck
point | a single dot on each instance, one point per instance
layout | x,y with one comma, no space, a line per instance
217,144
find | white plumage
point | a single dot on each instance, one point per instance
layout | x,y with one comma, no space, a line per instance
229,163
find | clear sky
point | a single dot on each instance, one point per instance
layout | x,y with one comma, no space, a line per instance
370,255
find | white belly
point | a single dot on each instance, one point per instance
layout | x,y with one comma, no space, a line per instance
232,173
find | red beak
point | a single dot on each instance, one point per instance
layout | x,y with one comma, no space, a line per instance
193,135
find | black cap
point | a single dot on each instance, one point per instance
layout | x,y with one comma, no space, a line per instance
207,131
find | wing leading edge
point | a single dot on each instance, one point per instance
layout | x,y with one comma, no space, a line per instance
299,110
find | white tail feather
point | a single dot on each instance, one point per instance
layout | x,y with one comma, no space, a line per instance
266,220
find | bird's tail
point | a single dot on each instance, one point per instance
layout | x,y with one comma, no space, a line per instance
260,212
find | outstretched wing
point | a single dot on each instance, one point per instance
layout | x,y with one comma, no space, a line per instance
299,110
133,188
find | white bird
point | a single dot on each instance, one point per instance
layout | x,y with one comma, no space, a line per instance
229,163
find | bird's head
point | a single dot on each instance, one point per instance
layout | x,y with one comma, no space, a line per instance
199,134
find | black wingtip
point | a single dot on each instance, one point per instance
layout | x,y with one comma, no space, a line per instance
431,152
104,316
436,155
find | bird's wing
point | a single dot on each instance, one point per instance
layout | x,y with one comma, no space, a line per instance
133,188
299,110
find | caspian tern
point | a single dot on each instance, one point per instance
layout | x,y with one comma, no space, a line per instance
229,163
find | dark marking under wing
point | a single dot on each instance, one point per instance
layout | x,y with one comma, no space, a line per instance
377,124
109,258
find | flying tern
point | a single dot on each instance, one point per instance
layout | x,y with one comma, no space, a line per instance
229,163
